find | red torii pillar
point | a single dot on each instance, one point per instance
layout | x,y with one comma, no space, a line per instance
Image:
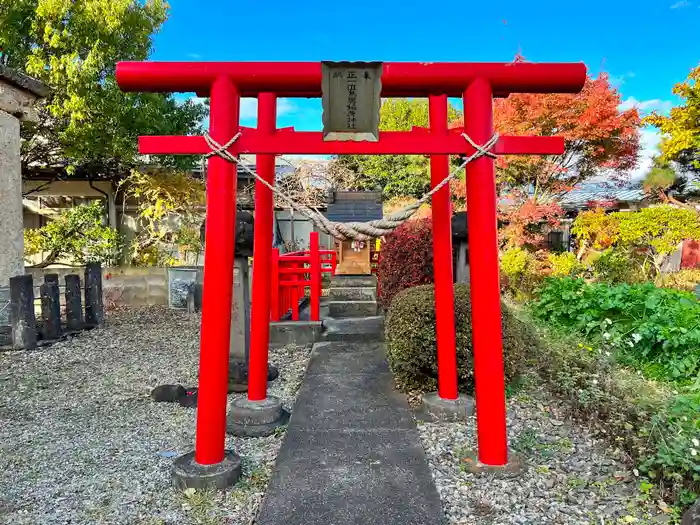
226,82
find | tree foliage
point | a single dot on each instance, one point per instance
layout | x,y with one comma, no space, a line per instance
396,175
77,236
596,228
524,223
170,212
663,182
600,139
73,46
598,136
654,233
681,129
659,229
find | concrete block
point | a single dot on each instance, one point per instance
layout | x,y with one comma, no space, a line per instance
295,332
353,294
363,329
345,309
353,281
187,473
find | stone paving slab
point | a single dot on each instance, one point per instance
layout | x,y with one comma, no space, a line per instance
354,477
348,358
352,454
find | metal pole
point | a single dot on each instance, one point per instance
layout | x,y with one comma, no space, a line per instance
485,291
262,253
315,274
442,257
218,279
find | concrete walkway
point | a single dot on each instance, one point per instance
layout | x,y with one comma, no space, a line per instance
352,454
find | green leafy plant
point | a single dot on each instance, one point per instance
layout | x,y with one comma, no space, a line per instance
676,430
76,236
654,329
411,337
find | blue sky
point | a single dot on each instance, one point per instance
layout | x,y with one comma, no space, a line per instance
646,46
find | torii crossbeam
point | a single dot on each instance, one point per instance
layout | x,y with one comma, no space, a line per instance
227,82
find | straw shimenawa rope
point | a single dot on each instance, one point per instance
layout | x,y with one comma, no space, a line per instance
361,231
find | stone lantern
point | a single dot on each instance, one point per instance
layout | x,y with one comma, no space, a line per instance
18,94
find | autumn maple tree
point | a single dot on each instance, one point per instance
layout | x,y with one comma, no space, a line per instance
600,140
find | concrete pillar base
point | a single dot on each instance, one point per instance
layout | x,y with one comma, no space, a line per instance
187,473
256,418
238,376
515,467
459,409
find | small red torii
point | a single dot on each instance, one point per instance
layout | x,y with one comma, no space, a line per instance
226,82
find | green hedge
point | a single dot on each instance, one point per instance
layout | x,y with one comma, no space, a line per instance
411,339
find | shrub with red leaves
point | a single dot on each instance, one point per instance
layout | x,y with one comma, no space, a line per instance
406,259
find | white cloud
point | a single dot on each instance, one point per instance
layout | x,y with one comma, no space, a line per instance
647,106
682,3
648,149
194,56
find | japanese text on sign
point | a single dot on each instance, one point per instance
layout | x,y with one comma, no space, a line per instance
351,100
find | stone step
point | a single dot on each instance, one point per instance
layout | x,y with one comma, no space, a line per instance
357,330
345,309
354,281
353,294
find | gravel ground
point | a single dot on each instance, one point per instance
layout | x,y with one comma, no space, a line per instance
571,477
81,442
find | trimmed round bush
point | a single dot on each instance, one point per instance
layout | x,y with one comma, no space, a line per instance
412,341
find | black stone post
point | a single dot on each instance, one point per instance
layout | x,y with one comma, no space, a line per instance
22,316
74,303
50,310
51,278
94,309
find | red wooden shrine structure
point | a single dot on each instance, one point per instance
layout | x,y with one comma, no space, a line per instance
292,273
226,82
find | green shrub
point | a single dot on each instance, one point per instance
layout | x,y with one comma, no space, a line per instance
657,428
563,264
515,262
656,330
615,266
411,338
687,279
521,272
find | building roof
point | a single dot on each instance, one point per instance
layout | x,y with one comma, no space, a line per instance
583,198
23,82
355,206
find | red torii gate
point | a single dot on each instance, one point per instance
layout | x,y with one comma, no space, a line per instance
226,82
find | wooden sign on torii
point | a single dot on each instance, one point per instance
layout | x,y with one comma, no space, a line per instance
226,82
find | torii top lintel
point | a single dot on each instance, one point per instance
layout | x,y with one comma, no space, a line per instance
399,79
303,79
